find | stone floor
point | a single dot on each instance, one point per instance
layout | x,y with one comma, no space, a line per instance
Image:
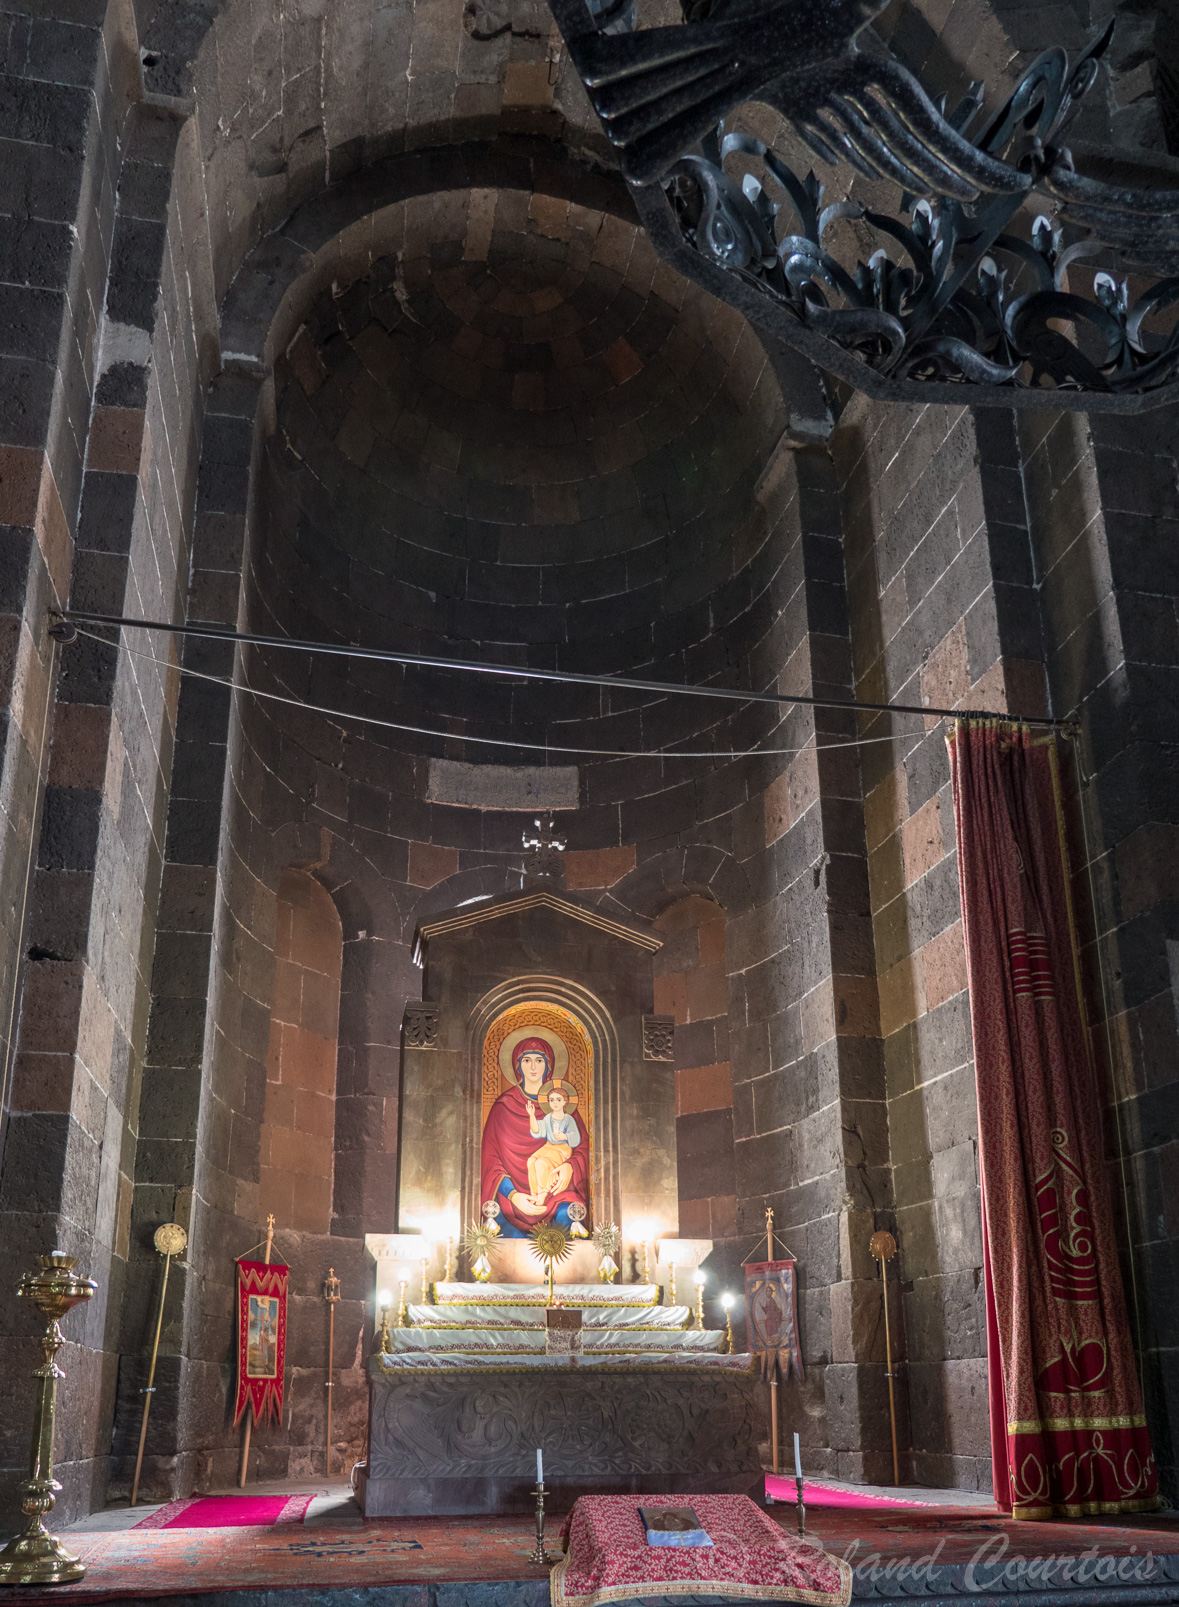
335,1505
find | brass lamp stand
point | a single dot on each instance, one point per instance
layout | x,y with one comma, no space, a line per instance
36,1557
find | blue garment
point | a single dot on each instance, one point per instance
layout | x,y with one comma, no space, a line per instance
561,1217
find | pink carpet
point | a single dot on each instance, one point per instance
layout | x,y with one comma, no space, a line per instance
822,1495
229,1512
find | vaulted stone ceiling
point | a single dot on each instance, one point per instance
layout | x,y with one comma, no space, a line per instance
519,430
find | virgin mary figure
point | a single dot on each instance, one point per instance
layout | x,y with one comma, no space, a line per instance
511,1140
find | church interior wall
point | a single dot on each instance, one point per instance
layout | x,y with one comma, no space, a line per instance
167,464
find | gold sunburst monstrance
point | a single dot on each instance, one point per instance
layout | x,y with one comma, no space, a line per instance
551,1245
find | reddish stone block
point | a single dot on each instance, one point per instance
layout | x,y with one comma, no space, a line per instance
430,864
922,843
703,1088
117,439
598,867
943,963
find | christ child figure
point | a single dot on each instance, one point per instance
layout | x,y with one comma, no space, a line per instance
549,1170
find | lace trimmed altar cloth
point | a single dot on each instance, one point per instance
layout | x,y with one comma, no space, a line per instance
751,1558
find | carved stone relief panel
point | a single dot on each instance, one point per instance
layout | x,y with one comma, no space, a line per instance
658,1037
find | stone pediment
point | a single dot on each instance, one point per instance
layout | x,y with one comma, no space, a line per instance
518,904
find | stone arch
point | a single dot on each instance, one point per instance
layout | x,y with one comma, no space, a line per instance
698,870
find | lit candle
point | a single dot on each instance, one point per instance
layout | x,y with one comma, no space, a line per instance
539,1465
797,1460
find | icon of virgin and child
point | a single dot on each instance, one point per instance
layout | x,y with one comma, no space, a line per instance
535,1156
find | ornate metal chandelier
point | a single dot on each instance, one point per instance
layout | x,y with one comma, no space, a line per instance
1004,276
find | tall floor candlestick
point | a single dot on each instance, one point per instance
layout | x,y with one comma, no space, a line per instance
35,1557
883,1247
241,1478
170,1239
331,1293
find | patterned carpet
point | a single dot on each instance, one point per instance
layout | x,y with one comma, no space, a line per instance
405,1552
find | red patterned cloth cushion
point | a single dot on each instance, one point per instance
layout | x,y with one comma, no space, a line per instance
751,1559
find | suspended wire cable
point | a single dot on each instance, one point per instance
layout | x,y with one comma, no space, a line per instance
222,633
495,742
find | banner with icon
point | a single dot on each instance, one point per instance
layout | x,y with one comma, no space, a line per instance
261,1338
771,1312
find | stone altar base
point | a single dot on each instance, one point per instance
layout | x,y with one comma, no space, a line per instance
465,1441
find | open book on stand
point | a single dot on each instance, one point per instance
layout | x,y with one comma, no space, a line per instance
673,1526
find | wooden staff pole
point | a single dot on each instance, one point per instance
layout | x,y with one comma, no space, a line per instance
241,1480
331,1293
883,1246
774,1369
171,1240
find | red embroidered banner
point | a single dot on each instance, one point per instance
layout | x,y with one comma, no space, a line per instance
771,1316
1068,1435
261,1338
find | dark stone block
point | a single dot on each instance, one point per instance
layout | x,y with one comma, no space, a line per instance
123,385
108,509
69,828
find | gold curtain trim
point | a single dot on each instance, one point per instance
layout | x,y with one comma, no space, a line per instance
700,1587
1059,1425
1087,1509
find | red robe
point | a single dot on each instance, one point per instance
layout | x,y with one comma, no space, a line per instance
507,1144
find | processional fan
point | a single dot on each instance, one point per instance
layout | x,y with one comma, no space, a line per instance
1002,276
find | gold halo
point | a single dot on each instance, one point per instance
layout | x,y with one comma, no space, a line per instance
555,1042
170,1239
562,1087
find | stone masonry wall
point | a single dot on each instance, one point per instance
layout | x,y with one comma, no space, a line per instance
943,614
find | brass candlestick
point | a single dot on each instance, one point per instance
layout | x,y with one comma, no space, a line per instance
170,1239
801,1508
883,1247
727,1303
402,1315
384,1342
36,1557
699,1302
331,1293
539,1555
425,1266
671,1283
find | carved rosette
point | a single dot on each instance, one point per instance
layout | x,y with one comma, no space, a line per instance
420,1026
658,1037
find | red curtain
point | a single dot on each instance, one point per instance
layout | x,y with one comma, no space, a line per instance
1067,1430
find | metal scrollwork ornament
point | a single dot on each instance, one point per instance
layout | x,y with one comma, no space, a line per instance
970,294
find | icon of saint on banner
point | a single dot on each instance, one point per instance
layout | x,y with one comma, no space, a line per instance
262,1337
